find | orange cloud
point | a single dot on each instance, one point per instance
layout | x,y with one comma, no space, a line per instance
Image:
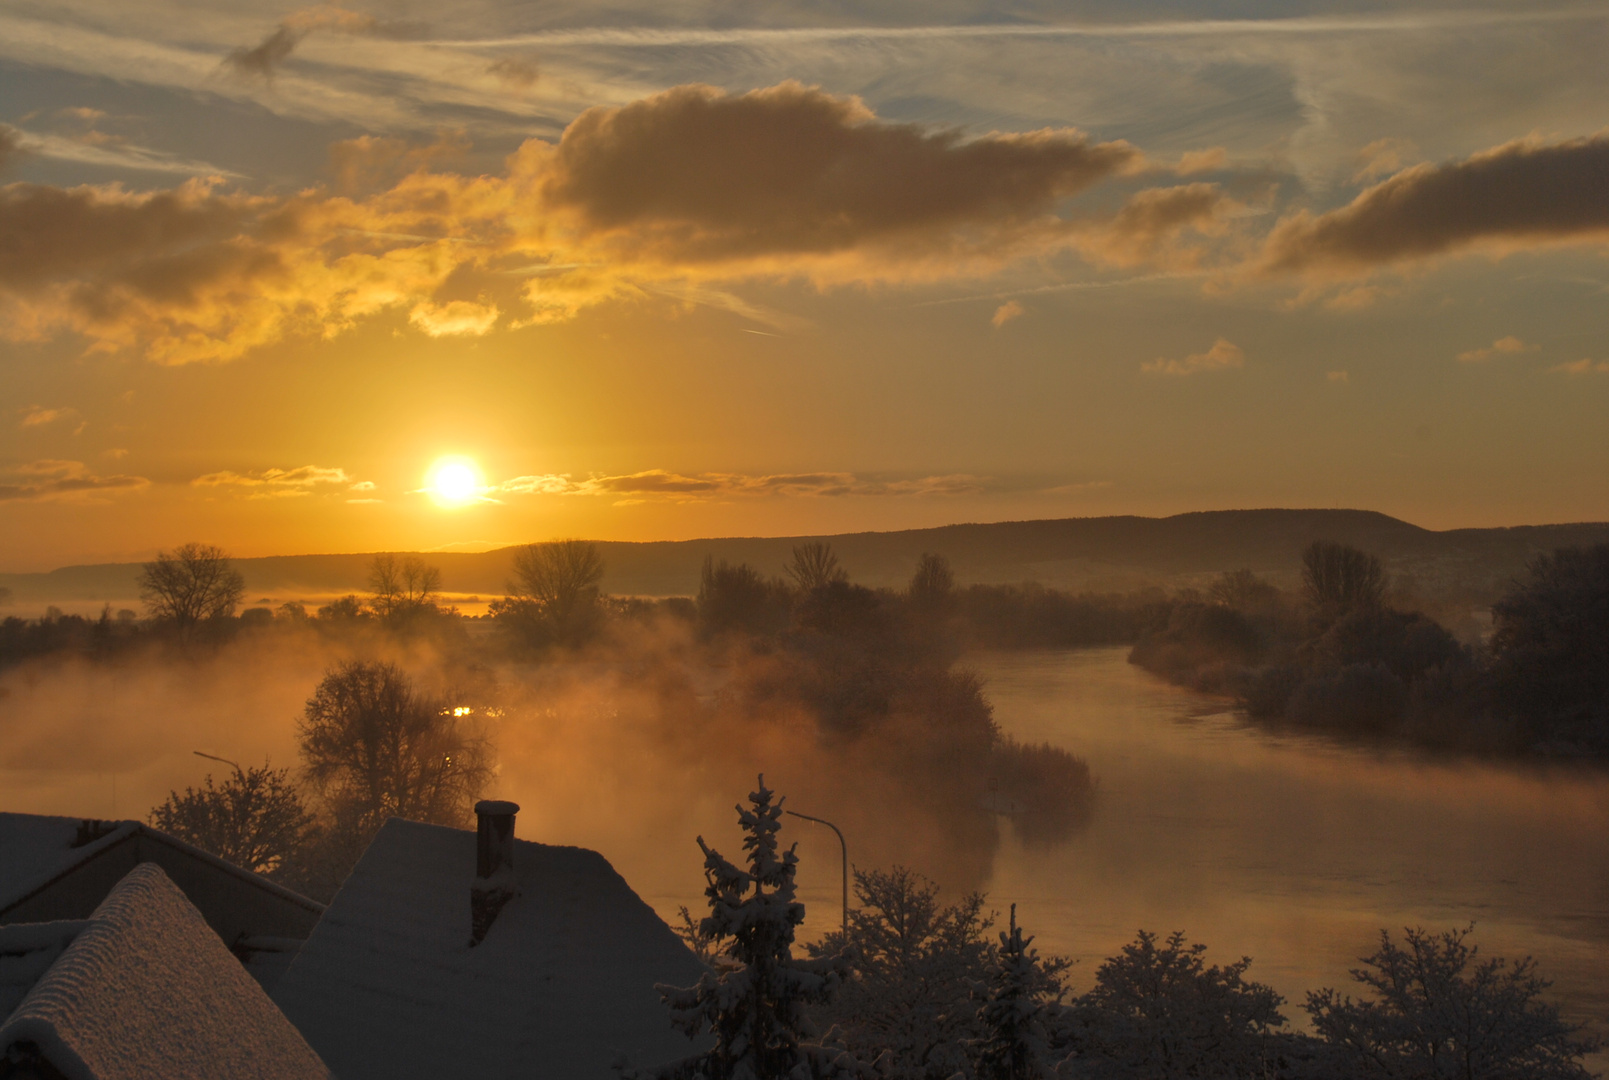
1584,366
659,484
267,55
1005,313
1509,345
1521,193
54,479
1223,356
279,483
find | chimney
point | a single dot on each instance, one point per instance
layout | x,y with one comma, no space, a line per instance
494,865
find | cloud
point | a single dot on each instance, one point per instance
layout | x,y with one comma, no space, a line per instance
11,150
457,318
519,72
1200,161
696,176
1584,366
1223,356
1150,226
677,487
1380,158
55,479
1005,313
1522,193
278,483
1503,345
267,55
1341,377
37,416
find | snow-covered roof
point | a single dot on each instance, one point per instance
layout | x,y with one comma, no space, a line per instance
388,986
35,849
61,868
146,989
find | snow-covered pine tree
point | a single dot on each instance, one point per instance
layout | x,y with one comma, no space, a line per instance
754,1005
1015,1044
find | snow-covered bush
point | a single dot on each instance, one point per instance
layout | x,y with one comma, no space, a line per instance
1158,1012
1438,1012
916,961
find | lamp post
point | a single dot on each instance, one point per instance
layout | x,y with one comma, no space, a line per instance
844,846
215,757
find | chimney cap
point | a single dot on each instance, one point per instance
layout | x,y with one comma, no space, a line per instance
495,807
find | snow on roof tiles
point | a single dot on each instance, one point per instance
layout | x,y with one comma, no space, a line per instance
147,989
388,987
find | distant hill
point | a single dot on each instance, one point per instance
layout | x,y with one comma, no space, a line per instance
1099,554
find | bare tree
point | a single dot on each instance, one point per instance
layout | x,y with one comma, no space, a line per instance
193,584
1243,591
376,748
555,592
402,586
1337,577
255,819
932,583
814,565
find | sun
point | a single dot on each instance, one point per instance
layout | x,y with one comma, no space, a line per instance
454,482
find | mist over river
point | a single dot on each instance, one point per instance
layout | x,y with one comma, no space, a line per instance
1290,848
1294,849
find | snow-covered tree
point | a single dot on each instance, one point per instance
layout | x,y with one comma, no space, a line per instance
754,1004
1440,1012
1015,1013
916,962
1158,1012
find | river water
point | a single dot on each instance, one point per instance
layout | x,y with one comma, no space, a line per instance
1293,849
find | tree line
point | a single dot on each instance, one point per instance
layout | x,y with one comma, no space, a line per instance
1341,657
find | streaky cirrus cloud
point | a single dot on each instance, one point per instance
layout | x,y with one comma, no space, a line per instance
1224,355
52,478
663,485
1509,345
1519,194
278,483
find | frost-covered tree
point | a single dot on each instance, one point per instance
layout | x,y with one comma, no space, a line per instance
1439,1012
1015,1013
1158,1012
255,819
916,962
754,1004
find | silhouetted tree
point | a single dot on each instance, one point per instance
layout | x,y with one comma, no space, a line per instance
255,819
345,609
554,597
375,747
1337,577
740,598
1440,1012
933,585
814,565
1243,591
190,586
1550,648
401,587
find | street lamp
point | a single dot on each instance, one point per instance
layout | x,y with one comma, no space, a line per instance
215,757
844,846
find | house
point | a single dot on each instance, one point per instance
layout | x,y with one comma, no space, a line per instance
54,868
140,988
450,953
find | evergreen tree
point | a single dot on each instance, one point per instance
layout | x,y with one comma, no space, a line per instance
754,1003
1014,1013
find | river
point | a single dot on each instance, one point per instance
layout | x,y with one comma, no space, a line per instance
1293,849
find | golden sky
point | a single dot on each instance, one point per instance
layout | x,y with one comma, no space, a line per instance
680,269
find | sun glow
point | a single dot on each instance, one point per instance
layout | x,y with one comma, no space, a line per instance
454,482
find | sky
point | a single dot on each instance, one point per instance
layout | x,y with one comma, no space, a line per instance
410,276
